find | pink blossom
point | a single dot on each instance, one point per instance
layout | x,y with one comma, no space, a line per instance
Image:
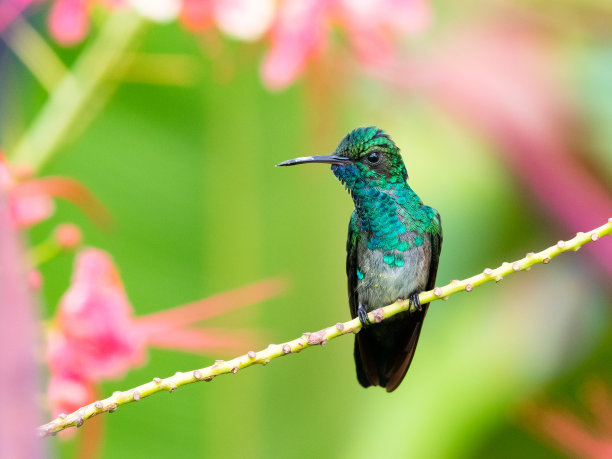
69,21
30,199
372,27
35,280
96,335
25,209
68,389
29,210
18,333
10,9
172,328
196,15
67,393
95,319
568,432
68,236
299,34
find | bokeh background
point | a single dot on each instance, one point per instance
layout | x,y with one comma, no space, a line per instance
173,114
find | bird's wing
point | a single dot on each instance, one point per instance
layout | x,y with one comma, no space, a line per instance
435,231
367,373
351,264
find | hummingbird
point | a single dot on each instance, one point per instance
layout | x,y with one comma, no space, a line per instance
392,251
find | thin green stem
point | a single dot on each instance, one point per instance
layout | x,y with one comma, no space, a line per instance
35,53
44,252
74,93
320,337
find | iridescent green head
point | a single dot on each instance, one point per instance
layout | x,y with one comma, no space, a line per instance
365,154
373,152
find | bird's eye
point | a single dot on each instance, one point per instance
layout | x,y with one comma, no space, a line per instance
373,158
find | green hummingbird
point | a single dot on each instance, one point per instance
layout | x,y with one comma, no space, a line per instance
392,249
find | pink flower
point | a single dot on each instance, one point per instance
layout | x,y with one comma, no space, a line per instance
571,435
68,236
18,333
35,279
10,9
68,389
97,337
96,323
298,35
196,15
25,209
30,199
69,21
372,26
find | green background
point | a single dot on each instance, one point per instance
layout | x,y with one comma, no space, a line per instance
188,175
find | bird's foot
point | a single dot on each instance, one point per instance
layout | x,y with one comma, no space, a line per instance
415,301
362,313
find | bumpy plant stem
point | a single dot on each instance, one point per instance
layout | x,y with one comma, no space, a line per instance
320,337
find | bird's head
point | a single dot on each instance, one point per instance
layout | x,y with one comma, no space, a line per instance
365,155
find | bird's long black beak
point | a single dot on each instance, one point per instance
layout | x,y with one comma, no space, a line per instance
325,159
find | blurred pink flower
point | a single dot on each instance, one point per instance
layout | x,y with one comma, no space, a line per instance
372,26
571,435
96,323
10,9
69,21
68,391
30,199
171,328
96,335
196,15
35,279
298,34
242,19
28,209
68,236
18,341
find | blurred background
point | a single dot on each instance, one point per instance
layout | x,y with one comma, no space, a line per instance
152,129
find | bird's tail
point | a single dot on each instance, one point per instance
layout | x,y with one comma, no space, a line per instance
383,352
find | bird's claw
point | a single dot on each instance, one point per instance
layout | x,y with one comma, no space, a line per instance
362,313
415,301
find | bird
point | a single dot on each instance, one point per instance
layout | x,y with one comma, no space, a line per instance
392,251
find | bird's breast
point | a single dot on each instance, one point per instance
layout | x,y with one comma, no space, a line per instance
380,283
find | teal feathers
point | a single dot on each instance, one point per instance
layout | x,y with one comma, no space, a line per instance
385,205
393,247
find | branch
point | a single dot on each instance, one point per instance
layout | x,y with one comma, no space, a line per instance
321,337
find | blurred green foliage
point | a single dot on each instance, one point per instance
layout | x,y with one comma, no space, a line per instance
188,175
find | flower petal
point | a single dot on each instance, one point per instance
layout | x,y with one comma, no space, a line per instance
214,305
68,21
95,321
298,34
